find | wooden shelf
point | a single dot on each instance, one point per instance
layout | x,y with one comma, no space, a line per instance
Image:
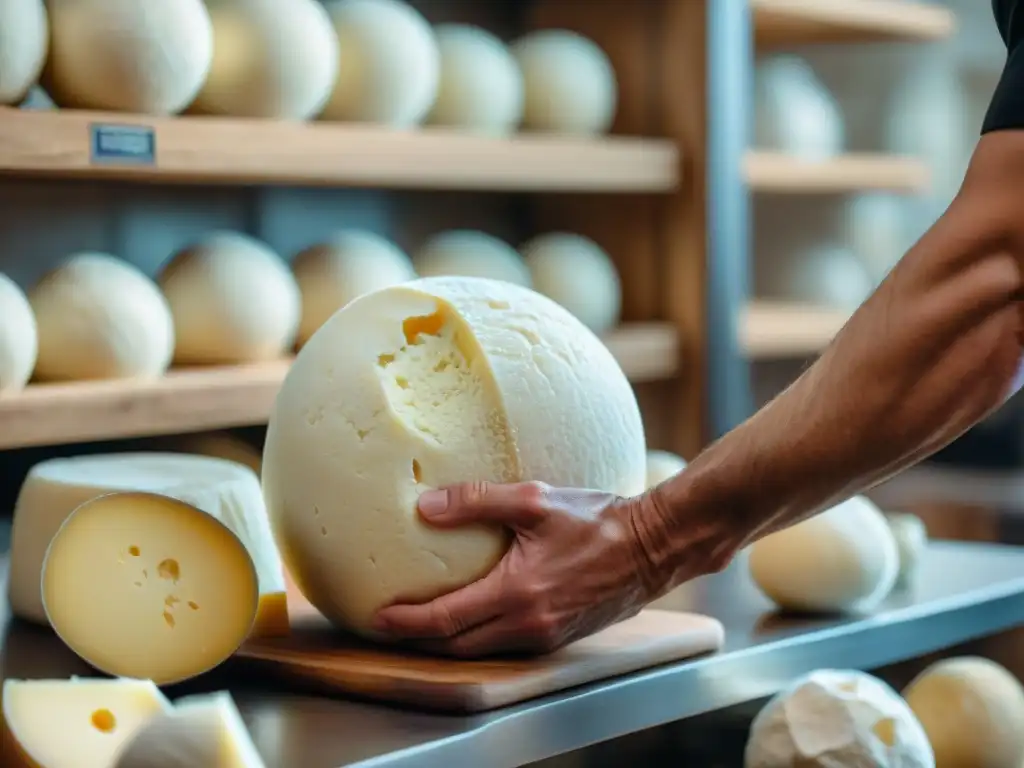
94,145
189,400
780,173
779,330
789,23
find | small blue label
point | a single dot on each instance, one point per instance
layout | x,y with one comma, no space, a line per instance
123,145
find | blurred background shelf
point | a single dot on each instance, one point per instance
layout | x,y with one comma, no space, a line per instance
856,172
773,330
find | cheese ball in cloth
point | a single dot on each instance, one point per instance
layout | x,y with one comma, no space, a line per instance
24,42
438,381
465,253
837,719
19,339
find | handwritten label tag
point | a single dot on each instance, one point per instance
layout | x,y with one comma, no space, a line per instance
122,145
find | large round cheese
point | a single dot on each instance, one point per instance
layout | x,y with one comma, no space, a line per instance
972,710
832,718
352,262
100,318
126,55
19,339
223,489
24,43
662,466
569,81
390,66
844,558
579,275
466,253
233,301
481,86
438,381
271,58
911,540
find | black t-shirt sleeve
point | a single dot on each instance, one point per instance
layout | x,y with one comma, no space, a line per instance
1007,109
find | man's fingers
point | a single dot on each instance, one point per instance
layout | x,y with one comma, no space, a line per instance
515,505
444,617
500,636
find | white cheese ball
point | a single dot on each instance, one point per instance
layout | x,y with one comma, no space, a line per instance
390,66
233,300
352,262
972,710
794,112
662,466
100,318
570,83
821,274
466,253
24,43
843,559
19,339
271,59
481,87
832,718
911,541
579,275
435,382
149,57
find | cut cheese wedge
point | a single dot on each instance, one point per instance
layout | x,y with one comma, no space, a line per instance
76,723
200,732
147,586
224,489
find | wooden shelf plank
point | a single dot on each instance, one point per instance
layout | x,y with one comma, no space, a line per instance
188,400
789,23
94,145
779,173
776,330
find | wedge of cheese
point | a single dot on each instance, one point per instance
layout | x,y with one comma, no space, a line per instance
227,491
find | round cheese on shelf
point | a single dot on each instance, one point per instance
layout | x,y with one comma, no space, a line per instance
81,721
435,382
579,275
972,710
128,56
843,559
833,718
100,318
569,83
390,65
662,466
221,445
821,274
224,490
352,262
233,301
466,253
19,339
793,111
271,59
911,541
481,86
24,43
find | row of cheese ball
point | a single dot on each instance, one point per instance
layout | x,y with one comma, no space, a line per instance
375,61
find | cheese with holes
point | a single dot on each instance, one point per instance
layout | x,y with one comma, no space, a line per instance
662,466
76,723
466,253
24,43
434,382
146,586
19,340
225,490
833,718
200,732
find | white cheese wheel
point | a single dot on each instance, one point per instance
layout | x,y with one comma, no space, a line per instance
467,253
76,722
911,541
662,466
271,59
100,318
352,262
221,445
794,112
822,274
438,381
481,86
225,490
200,732
575,272
569,81
390,66
972,710
832,718
19,339
24,43
843,559
128,56
233,301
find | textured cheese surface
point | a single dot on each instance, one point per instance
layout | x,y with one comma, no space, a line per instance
76,723
842,559
19,338
100,318
24,42
233,301
466,253
225,490
438,381
662,466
